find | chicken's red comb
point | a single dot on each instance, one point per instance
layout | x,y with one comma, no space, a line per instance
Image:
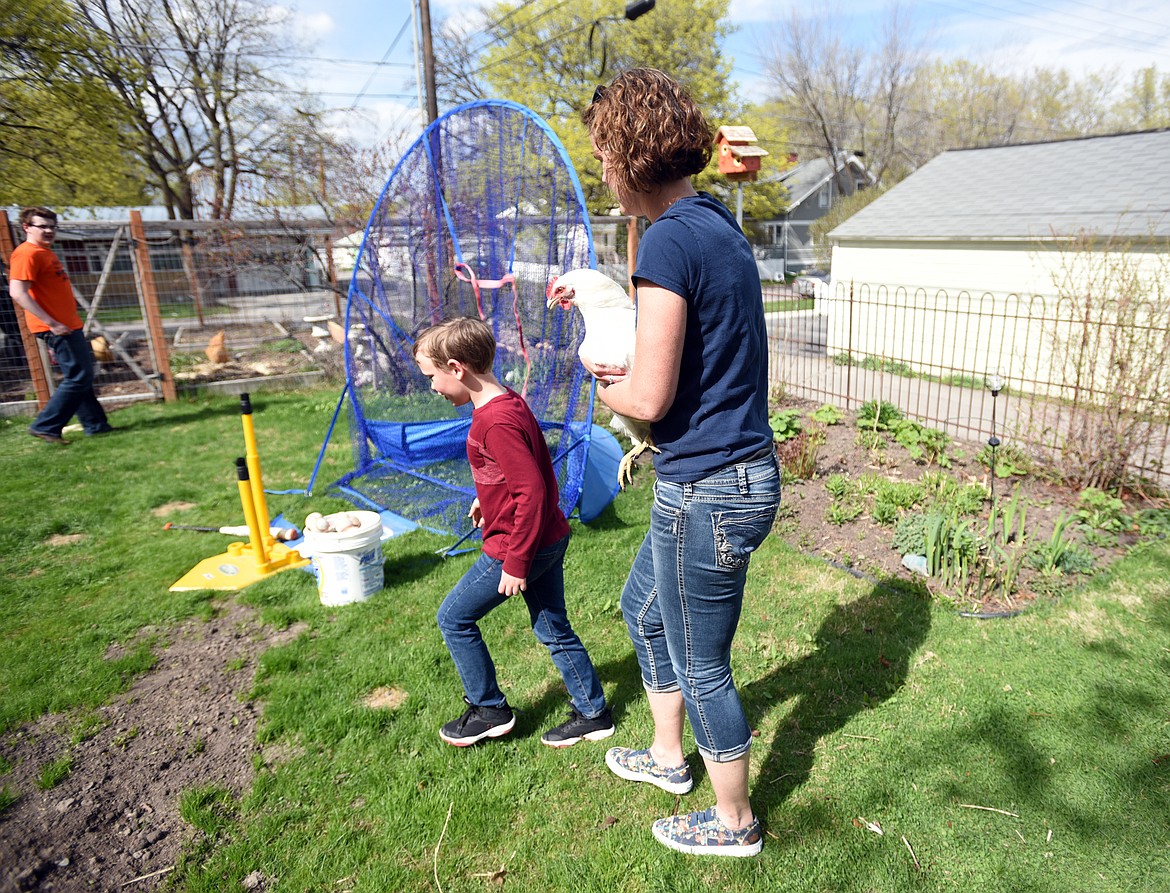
549,290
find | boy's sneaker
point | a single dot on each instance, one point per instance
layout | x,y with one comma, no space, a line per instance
578,728
478,723
704,834
639,765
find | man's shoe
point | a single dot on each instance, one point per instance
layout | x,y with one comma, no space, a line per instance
109,429
704,834
48,438
578,728
478,723
640,765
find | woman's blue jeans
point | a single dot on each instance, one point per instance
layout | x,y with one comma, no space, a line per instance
683,597
477,593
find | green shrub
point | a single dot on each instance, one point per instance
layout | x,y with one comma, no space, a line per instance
838,485
877,415
928,445
1100,511
828,414
1010,460
785,424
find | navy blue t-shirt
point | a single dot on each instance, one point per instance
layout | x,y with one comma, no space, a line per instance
720,412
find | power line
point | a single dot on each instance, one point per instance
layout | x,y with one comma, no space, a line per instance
385,56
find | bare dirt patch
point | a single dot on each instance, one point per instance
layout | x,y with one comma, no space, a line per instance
115,816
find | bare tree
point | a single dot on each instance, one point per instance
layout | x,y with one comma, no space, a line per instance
820,80
841,98
199,80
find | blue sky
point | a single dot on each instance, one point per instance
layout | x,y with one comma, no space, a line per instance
367,51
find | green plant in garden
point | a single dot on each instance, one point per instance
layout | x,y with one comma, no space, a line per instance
1007,522
841,511
924,444
839,484
828,414
1099,510
1010,460
876,415
870,440
1059,555
7,798
785,424
1153,524
902,495
884,513
798,455
943,490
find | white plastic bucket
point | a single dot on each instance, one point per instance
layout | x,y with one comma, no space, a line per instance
347,565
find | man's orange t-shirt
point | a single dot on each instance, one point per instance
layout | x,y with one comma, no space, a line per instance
50,285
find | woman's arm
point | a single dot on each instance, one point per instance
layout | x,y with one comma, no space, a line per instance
650,389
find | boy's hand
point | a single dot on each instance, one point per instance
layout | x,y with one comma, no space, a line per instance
475,514
510,585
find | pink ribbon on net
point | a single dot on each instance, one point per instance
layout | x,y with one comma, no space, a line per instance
465,274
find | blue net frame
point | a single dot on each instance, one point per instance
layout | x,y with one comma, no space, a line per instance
475,219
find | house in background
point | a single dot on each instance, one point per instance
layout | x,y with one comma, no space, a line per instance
813,188
999,233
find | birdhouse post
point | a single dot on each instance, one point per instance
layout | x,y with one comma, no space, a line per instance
739,159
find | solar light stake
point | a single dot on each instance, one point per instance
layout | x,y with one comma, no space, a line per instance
995,385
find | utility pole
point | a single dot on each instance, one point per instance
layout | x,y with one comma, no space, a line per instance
428,56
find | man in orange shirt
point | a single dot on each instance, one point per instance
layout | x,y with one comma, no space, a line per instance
40,287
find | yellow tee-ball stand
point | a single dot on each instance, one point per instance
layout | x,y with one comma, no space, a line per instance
262,556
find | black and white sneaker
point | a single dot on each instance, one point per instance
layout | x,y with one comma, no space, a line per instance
478,723
578,728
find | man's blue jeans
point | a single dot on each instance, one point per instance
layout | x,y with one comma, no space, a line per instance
476,594
683,597
75,394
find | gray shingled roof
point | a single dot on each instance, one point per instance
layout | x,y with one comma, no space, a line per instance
1109,186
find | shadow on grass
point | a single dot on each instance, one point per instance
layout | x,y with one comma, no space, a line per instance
862,657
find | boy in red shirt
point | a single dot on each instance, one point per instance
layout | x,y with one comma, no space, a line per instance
525,535
40,287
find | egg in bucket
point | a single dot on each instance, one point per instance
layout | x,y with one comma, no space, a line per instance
346,555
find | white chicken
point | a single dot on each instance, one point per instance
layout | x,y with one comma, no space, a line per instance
609,317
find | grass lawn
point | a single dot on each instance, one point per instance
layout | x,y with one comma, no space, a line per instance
1030,754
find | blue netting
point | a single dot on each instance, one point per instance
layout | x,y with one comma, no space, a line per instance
475,219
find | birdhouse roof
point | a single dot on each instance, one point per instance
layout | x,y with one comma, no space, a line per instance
735,134
747,151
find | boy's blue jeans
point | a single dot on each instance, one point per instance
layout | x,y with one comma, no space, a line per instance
75,394
476,594
683,597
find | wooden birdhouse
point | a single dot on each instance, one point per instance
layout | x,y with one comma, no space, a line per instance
739,156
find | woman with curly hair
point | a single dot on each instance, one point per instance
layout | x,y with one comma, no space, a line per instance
701,380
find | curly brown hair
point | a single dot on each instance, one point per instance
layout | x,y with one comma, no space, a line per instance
464,338
650,130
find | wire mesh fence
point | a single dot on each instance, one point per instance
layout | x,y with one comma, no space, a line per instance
1085,384
170,303
182,303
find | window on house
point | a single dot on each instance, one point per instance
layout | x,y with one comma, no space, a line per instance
165,260
74,257
97,259
823,197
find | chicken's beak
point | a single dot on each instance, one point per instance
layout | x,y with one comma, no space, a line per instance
562,295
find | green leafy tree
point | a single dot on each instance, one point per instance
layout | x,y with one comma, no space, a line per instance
549,56
63,134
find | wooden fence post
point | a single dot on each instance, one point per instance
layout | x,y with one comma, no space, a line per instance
32,352
149,295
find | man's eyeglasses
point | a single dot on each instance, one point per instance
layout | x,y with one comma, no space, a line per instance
598,92
49,226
